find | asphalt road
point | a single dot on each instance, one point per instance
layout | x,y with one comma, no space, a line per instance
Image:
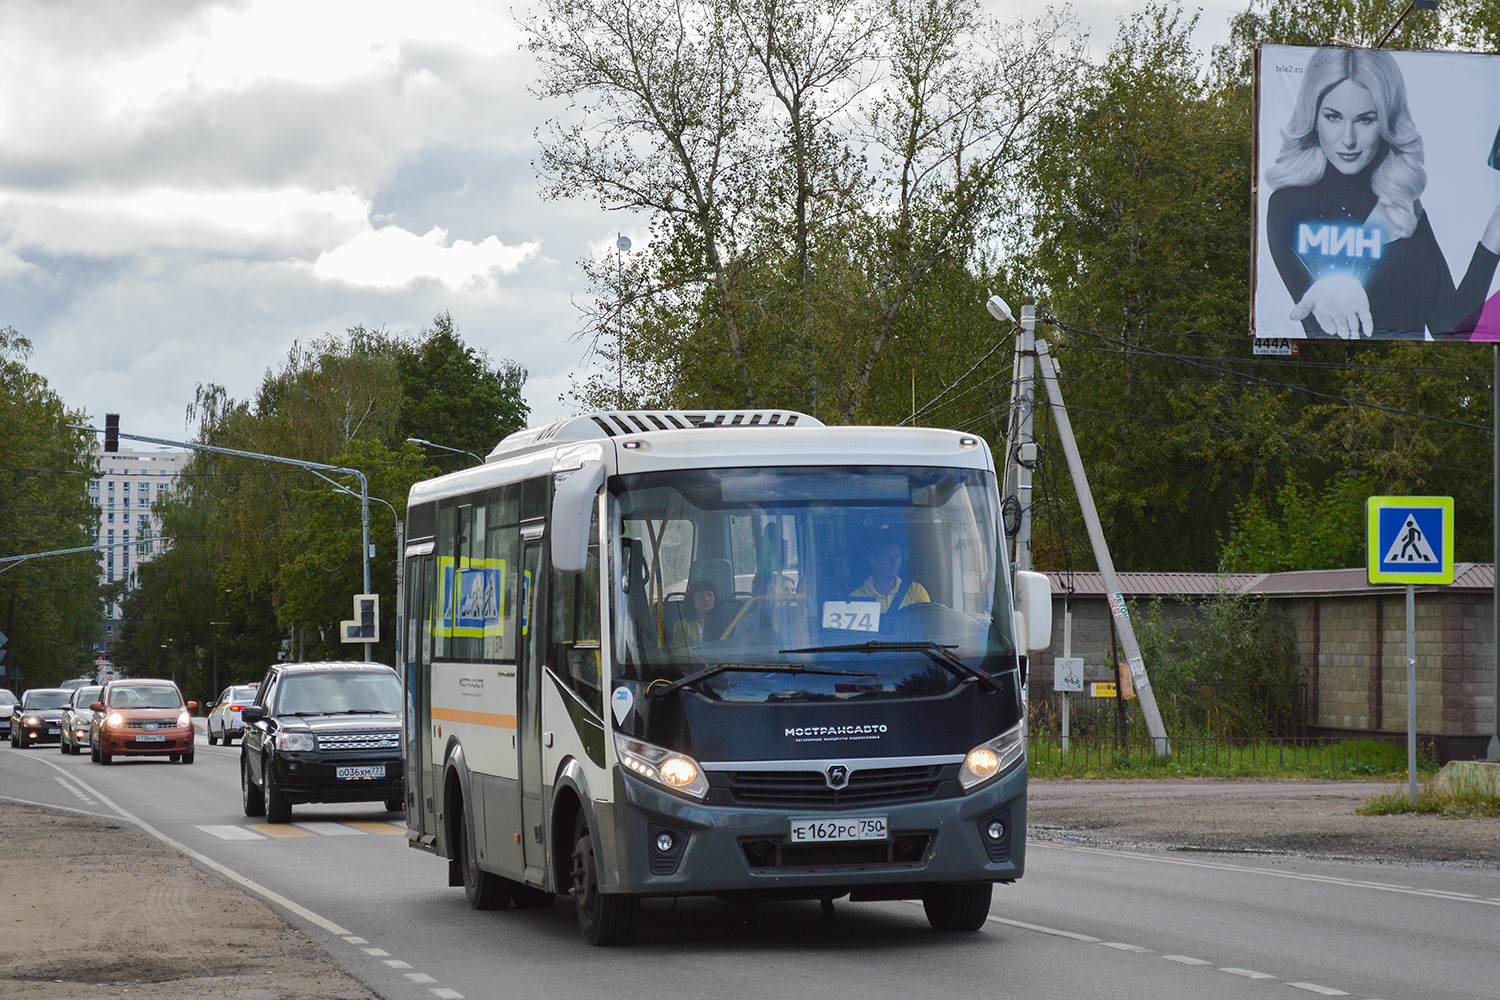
1084,923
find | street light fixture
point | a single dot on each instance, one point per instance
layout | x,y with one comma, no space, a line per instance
442,447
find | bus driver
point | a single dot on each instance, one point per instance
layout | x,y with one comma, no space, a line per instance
885,584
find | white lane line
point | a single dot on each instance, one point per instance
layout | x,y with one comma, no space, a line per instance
376,952
1322,991
443,993
231,833
1247,973
1044,930
1274,873
1185,960
331,829
77,792
1117,946
420,977
396,963
355,939
262,891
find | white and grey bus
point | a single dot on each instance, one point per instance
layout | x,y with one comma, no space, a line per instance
669,653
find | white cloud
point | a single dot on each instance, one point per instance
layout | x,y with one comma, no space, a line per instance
391,257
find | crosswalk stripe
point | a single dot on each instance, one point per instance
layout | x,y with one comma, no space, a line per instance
281,831
231,833
330,829
376,826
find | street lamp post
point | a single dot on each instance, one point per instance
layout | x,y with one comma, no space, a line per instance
442,447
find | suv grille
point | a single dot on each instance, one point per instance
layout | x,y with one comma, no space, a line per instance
376,740
794,789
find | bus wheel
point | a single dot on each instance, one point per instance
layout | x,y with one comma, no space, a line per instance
483,890
958,907
604,918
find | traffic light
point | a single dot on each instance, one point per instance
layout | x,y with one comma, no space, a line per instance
111,432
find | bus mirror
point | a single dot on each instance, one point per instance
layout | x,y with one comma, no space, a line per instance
1034,607
572,504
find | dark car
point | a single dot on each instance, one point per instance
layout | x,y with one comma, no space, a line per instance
322,732
8,701
142,718
34,720
77,719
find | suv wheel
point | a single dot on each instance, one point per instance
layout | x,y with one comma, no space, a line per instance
278,809
253,798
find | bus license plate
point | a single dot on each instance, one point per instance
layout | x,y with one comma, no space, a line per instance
151,739
813,831
360,773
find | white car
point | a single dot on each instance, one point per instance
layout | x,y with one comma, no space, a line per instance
224,721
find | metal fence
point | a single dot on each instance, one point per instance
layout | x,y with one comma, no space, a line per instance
1212,710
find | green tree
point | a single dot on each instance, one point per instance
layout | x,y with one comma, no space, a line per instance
1323,530
452,394
49,607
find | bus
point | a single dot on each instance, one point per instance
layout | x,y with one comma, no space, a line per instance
730,653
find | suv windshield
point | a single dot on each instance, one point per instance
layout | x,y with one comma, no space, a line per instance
336,692
808,583
145,696
39,700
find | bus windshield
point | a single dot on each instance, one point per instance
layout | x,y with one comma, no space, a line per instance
807,583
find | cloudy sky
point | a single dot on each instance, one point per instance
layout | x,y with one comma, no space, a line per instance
187,187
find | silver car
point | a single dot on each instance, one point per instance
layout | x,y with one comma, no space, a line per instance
76,719
224,721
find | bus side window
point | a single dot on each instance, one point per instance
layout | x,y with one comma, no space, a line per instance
575,626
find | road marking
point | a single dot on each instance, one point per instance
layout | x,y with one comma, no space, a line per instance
77,792
396,963
420,977
1117,946
376,952
250,885
355,939
1185,960
282,831
376,826
443,993
231,833
1044,930
1247,973
1326,991
330,829
1296,876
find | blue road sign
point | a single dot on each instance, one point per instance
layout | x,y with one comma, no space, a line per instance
1409,539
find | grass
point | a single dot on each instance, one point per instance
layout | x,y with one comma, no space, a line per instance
1219,758
1461,805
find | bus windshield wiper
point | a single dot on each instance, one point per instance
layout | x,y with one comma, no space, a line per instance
942,655
769,668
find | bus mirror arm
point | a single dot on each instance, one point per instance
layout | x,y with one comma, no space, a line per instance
572,502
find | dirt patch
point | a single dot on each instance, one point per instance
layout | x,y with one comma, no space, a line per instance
92,909
1316,818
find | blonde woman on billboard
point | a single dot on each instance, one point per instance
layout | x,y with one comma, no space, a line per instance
1345,223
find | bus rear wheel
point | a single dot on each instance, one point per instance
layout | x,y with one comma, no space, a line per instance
604,918
958,907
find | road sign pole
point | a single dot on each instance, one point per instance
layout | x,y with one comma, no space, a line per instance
1411,691
1494,751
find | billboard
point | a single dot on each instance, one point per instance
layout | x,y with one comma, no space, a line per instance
1377,194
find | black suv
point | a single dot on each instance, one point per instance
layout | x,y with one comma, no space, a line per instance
322,732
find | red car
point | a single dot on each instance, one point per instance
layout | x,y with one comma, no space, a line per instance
136,718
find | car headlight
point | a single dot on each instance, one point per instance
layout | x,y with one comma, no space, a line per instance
115,719
296,742
676,772
33,720
988,761
183,719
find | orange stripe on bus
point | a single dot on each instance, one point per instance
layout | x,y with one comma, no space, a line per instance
474,718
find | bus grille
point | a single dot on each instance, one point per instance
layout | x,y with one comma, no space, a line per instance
904,851
797,789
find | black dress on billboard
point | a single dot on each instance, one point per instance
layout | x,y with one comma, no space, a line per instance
1409,286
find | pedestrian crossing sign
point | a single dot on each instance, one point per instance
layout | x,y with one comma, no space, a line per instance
1409,539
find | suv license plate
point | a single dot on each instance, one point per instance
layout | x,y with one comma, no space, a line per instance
813,831
360,773
151,739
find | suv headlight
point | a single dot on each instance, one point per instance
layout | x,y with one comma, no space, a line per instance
988,761
296,742
676,772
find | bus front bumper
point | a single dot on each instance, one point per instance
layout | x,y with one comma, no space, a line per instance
663,845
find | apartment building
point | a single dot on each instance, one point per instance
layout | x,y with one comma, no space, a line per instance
129,486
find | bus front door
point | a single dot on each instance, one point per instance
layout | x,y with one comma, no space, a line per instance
528,706
421,818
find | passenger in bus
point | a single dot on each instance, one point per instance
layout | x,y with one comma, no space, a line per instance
885,583
699,601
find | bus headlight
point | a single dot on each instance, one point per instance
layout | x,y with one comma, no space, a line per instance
988,761
675,772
